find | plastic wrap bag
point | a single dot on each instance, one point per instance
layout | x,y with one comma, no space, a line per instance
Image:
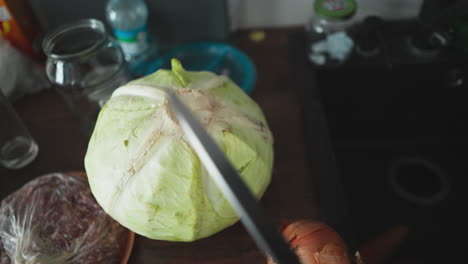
19,74
55,219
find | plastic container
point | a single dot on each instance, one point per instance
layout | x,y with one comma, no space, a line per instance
128,19
216,57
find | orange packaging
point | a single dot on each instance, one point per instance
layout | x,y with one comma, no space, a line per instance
18,25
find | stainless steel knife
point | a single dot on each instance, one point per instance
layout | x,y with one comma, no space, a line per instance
225,176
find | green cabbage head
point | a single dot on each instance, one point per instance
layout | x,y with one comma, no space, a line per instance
144,173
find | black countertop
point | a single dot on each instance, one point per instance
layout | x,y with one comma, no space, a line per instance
385,139
322,165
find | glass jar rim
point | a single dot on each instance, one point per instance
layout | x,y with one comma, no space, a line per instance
91,24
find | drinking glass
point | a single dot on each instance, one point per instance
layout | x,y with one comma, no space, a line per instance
17,147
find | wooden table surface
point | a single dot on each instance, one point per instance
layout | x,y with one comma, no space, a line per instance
289,196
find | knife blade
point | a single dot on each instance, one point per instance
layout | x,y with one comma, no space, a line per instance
235,191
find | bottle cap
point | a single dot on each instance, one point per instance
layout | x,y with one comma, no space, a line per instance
335,8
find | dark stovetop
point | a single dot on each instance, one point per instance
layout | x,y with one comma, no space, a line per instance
386,139
333,208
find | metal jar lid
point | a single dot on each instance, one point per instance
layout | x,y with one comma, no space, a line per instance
339,9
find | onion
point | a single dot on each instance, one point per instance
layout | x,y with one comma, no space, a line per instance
315,243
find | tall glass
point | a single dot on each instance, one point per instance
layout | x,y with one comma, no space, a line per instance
17,147
86,65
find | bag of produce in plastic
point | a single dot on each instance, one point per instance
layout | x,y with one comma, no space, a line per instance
55,219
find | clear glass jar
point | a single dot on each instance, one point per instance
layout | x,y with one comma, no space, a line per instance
86,65
328,41
320,26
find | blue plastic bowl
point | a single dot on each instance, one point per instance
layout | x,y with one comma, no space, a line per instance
216,57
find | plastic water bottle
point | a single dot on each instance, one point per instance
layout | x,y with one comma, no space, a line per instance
128,19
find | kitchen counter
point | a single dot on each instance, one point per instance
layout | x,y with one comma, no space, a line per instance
290,196
397,124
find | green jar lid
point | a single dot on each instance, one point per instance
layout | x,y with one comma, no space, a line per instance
335,8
